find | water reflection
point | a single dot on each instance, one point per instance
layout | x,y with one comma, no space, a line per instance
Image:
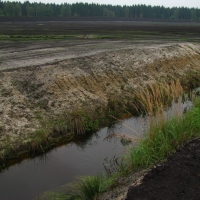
84,156
31,177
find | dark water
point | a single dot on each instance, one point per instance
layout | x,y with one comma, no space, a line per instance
30,178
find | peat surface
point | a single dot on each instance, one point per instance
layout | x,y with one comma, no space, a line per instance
177,178
115,29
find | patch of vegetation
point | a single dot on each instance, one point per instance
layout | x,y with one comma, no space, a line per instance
85,188
13,37
93,34
191,79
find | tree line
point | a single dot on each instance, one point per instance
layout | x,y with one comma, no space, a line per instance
27,9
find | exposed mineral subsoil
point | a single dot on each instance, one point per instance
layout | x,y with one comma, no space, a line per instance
49,89
176,179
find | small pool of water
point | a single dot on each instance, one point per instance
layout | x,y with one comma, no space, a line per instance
31,177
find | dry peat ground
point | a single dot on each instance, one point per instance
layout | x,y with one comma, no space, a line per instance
177,178
35,26
85,67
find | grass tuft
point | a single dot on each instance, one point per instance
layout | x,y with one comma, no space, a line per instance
86,188
167,138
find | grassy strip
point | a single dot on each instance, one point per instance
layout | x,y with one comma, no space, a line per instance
166,139
131,35
56,37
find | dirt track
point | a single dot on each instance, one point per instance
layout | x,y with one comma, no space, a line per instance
79,39
26,54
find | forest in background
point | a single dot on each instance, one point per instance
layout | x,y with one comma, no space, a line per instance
27,9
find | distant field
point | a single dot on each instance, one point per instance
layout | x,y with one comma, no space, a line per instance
34,29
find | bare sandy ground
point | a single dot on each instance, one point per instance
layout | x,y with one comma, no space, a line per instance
38,53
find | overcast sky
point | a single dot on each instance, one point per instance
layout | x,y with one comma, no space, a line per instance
166,3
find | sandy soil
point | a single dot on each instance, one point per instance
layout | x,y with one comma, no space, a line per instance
27,54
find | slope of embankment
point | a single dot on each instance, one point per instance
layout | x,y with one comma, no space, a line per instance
30,96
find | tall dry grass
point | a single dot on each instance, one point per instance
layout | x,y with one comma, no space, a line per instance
154,98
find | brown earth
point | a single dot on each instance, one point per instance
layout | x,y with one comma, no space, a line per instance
176,179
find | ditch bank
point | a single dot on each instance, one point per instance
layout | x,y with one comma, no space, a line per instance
41,106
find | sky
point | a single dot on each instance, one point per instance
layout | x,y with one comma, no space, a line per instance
166,3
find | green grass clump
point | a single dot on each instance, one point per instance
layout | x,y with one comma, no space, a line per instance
166,139
86,188
89,187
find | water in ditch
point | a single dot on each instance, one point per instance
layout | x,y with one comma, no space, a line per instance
29,178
